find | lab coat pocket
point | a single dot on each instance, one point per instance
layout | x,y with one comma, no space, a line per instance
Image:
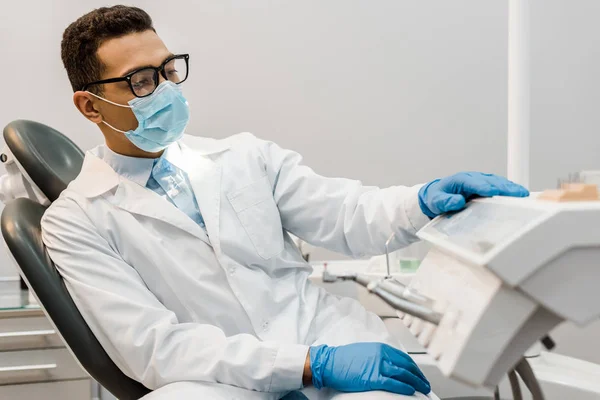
259,215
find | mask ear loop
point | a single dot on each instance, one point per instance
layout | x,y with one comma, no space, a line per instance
108,101
113,103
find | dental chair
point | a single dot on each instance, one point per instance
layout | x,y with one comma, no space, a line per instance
45,173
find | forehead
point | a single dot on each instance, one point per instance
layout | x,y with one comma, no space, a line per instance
131,51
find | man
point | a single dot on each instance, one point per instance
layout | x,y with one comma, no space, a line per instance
176,249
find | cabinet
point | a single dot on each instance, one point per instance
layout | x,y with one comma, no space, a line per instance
34,362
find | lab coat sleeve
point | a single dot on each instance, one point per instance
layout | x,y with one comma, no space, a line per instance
340,214
142,337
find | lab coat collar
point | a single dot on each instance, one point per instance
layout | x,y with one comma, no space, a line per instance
135,169
205,177
97,177
204,146
191,155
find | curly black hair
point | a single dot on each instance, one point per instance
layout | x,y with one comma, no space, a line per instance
81,40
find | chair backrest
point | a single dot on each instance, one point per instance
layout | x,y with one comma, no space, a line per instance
50,158
20,224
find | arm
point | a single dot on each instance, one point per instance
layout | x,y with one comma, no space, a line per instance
340,214
142,337
307,373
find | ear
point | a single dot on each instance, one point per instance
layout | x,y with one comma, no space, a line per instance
85,103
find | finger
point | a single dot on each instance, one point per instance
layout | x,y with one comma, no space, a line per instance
396,355
400,358
478,185
506,187
394,386
414,368
444,202
405,376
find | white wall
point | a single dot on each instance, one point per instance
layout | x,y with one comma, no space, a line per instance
565,89
386,91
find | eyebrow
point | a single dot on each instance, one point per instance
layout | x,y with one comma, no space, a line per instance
145,66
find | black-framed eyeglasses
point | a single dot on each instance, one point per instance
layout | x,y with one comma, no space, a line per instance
144,81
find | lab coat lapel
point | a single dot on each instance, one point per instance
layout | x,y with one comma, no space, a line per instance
98,178
138,200
205,177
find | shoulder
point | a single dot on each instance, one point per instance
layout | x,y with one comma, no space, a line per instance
67,210
241,145
207,144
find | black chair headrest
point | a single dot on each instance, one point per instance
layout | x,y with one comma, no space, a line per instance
50,158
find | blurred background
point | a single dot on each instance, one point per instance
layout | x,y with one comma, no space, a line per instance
385,91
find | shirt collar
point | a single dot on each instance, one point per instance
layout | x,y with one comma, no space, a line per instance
135,169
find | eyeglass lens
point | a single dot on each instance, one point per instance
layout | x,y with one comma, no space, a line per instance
145,81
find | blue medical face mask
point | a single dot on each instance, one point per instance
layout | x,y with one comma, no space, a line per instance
162,117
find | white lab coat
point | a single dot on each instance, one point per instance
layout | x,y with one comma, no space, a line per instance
168,304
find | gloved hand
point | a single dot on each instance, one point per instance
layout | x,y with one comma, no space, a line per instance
361,367
453,192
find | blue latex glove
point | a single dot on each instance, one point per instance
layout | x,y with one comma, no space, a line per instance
453,192
361,367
